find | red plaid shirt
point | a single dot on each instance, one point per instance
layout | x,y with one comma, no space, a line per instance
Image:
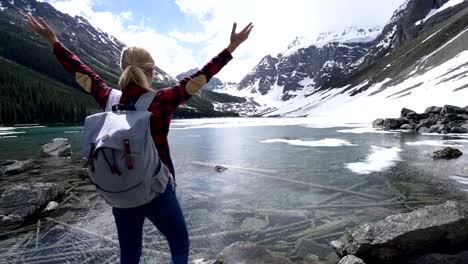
165,102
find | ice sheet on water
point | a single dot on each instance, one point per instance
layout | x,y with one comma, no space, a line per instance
379,159
437,143
365,130
327,142
256,122
4,137
72,131
462,180
8,133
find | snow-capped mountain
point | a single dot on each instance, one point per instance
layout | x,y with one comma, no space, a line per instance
423,63
305,66
348,35
418,59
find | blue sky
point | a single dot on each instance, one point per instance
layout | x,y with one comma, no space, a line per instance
163,15
183,34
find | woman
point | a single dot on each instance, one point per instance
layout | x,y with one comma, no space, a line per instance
137,73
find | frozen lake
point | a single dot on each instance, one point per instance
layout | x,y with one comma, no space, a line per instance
290,184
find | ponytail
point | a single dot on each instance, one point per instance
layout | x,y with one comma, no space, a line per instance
134,62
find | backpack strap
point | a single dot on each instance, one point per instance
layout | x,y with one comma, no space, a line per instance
145,101
113,99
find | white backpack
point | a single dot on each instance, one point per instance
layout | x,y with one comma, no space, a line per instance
123,161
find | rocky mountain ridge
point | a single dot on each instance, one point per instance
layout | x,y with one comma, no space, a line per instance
99,50
422,39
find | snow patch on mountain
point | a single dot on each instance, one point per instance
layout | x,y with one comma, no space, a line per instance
440,85
348,35
387,40
435,11
443,7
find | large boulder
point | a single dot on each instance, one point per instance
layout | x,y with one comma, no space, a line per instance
448,118
23,200
459,258
247,252
458,130
433,110
378,123
451,109
441,128
432,229
425,123
57,147
447,153
351,259
465,125
14,167
405,112
415,117
462,117
392,123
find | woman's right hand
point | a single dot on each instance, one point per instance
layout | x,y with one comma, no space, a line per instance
41,27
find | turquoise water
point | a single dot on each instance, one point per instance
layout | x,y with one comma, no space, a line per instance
271,170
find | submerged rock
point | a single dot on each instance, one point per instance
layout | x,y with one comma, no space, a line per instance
426,130
433,229
305,248
252,223
52,205
220,168
351,259
281,218
57,147
247,252
23,200
447,153
12,167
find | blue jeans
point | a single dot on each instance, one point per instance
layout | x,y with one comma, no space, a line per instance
165,213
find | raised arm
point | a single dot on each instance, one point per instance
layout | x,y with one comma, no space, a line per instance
91,82
189,86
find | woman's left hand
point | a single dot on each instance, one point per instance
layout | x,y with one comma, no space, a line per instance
238,38
41,27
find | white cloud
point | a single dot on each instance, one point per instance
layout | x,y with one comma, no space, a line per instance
276,24
167,52
127,15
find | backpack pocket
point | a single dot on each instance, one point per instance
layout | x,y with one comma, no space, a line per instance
129,189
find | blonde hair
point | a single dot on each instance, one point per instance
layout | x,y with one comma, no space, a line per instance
134,62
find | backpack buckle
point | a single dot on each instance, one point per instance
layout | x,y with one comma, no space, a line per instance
128,154
123,107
